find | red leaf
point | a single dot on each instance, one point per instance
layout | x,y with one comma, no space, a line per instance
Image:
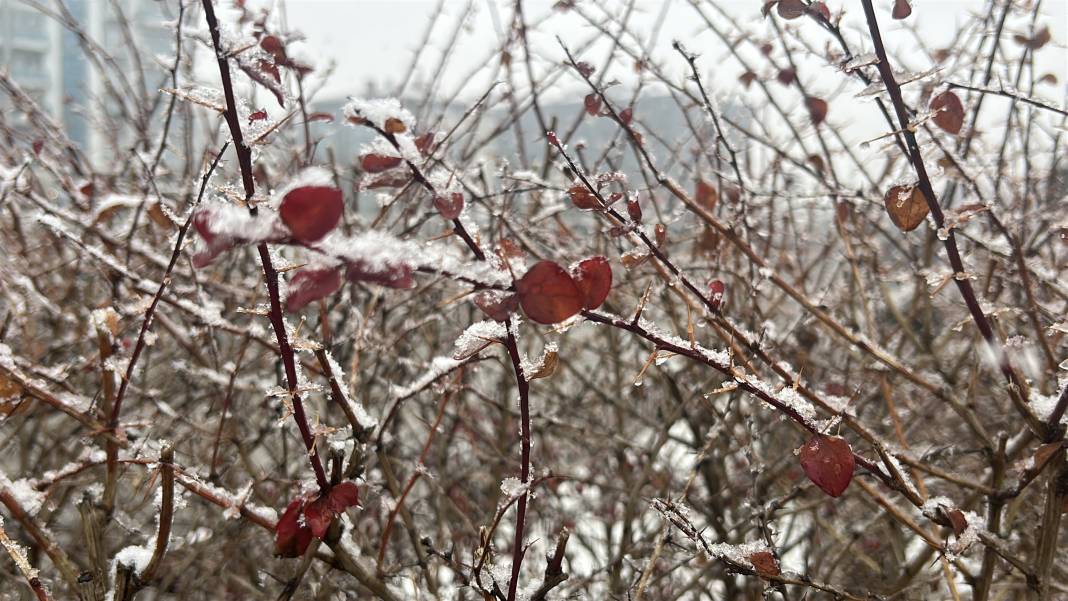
817,109
626,115
583,198
342,496
274,46
259,115
424,142
320,513
311,212
786,76
716,290
821,9
450,206
377,163
548,294
585,68
957,521
318,516
791,9
202,224
38,146
593,104
948,112
291,538
764,563
270,69
308,285
902,9
496,305
396,276
634,210
706,195
593,277
828,462
216,244
747,78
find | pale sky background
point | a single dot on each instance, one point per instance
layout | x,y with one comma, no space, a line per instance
375,39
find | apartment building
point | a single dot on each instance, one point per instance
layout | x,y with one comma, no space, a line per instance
48,61
31,52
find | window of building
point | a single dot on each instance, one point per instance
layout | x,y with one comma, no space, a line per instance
27,63
29,25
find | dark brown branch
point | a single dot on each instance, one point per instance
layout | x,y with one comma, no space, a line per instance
1016,386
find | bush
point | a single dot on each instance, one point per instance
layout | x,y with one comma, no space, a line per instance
643,319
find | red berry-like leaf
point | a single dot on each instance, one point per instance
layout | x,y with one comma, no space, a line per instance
817,109
828,462
764,563
320,513
311,212
260,115
308,285
583,198
216,243
450,206
593,104
626,115
377,163
660,233
548,294
291,537
342,496
424,142
593,277
585,68
202,224
271,69
634,210
902,9
274,46
318,516
791,9
395,276
821,9
716,290
706,195
948,112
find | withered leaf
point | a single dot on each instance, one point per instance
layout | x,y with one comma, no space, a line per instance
907,207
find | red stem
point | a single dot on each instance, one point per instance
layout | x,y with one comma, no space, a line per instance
524,475
270,274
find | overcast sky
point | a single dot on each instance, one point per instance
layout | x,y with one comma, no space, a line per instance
375,39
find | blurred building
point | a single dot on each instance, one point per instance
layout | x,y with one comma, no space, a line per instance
30,51
49,62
